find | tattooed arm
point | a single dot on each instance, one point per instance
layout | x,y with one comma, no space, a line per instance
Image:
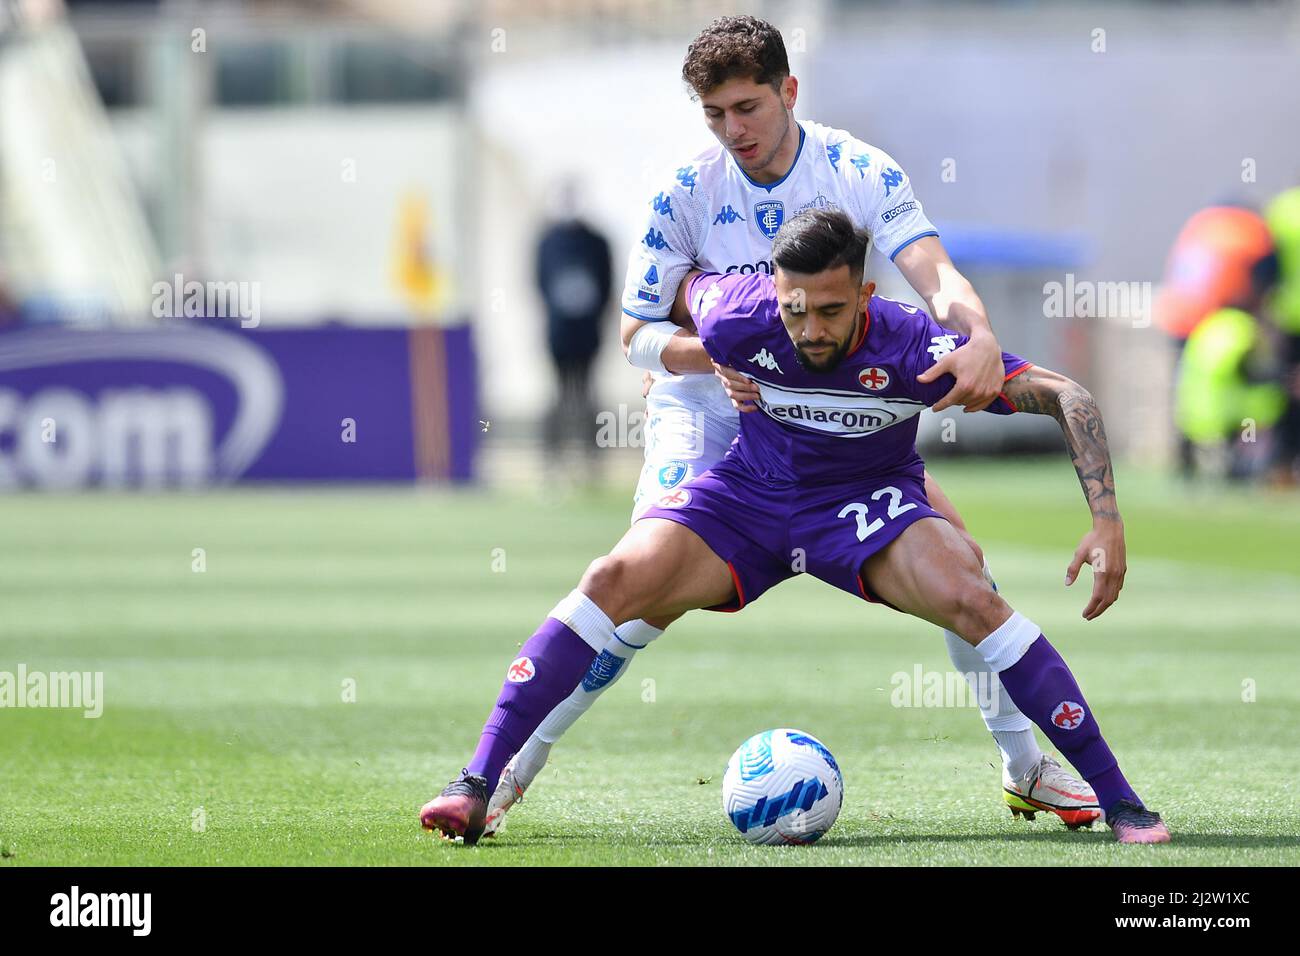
1040,391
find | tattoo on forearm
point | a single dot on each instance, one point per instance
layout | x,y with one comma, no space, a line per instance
1076,411
1086,437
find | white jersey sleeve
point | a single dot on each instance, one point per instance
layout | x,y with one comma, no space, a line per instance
666,249
884,196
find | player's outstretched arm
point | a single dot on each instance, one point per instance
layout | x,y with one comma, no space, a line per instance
1040,391
952,301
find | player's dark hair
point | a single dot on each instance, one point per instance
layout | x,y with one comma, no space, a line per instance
731,47
817,240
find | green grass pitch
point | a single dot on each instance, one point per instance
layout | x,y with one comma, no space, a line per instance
226,737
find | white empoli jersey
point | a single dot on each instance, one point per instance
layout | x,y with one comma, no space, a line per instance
715,217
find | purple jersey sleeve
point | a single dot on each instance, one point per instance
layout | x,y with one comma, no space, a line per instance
927,344
725,309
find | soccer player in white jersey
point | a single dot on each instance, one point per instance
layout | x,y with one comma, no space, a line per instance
720,212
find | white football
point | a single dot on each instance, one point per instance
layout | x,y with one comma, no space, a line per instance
782,786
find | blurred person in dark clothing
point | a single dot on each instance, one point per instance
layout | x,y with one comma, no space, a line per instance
574,274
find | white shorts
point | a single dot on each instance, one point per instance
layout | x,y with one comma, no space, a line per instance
680,443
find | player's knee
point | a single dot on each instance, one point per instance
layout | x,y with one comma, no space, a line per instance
975,609
612,582
973,545
604,579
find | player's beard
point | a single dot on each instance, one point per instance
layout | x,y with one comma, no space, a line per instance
831,361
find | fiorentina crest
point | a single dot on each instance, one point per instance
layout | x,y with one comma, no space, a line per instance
769,214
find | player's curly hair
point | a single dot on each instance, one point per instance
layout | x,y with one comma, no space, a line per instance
732,47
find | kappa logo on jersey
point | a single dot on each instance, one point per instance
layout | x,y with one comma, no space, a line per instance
764,359
707,299
655,240
860,162
941,345
892,178
873,378
663,204
675,499
726,216
770,214
687,177
833,154
891,214
1068,715
521,671
671,474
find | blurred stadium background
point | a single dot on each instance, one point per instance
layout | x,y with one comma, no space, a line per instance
364,184
367,166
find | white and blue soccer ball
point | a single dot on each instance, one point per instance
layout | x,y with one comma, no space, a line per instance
782,786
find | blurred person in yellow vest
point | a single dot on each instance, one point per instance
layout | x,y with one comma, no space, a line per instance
1228,397
1208,269
1283,216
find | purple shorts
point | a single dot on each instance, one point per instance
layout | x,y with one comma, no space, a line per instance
766,534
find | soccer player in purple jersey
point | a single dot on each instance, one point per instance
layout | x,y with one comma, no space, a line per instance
720,212
826,462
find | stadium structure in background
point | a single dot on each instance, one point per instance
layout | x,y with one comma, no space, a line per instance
387,165
221,272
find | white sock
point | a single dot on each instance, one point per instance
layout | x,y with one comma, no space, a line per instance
1020,750
1013,731
610,664
1006,645
580,614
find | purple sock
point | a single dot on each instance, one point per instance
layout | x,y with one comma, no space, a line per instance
547,669
1042,686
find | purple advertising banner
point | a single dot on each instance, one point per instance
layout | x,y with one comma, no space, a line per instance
195,405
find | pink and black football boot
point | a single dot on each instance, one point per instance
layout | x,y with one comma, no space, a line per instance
460,810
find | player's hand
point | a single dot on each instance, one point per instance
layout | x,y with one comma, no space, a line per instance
740,388
977,367
647,382
1103,548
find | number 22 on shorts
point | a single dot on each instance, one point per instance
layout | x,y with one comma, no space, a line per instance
859,510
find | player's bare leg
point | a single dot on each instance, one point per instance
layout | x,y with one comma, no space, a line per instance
1027,666
1031,780
659,569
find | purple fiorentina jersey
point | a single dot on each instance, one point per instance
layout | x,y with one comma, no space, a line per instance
815,428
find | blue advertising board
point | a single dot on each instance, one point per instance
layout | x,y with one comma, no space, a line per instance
194,405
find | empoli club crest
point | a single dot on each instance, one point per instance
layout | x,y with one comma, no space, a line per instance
769,215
